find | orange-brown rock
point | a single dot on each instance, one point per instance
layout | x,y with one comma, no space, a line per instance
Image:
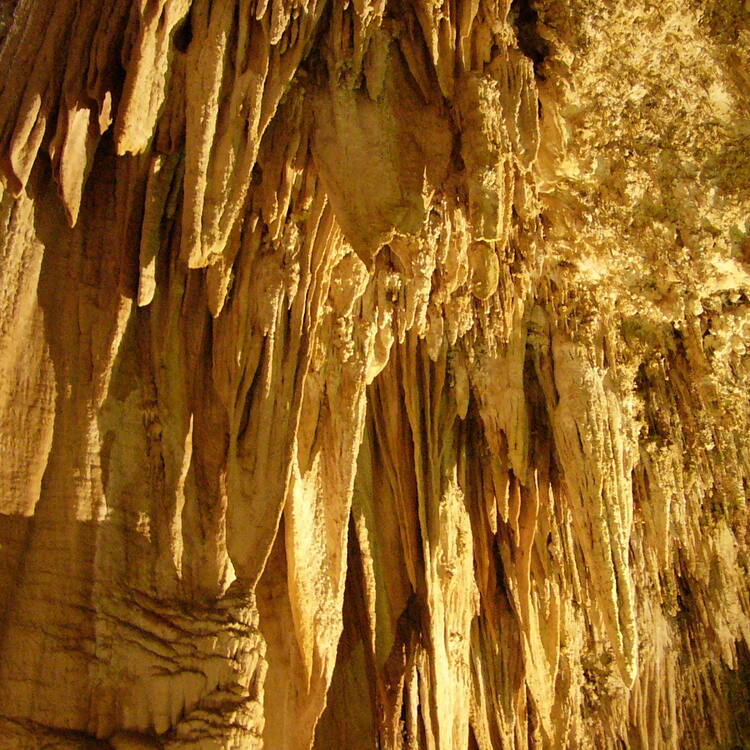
374,374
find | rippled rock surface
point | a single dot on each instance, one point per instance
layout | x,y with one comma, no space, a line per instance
374,374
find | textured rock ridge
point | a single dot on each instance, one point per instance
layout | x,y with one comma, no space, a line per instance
374,374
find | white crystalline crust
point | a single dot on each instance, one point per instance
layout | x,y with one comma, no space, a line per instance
374,374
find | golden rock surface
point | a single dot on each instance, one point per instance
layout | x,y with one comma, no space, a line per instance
374,374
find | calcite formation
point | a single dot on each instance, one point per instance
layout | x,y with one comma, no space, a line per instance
374,374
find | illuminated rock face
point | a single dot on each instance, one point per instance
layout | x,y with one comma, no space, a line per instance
374,374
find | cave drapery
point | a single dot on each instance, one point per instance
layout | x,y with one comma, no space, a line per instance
374,374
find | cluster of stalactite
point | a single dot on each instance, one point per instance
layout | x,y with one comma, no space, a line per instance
356,392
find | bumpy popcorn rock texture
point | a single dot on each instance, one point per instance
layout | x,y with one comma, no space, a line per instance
374,374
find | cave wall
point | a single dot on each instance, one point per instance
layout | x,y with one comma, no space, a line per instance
374,374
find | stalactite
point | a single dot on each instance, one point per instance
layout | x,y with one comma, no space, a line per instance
374,373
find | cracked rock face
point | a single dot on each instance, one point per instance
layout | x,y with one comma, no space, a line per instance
374,374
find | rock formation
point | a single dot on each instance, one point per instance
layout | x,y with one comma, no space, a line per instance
374,374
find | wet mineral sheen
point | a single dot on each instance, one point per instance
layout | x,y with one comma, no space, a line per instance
374,374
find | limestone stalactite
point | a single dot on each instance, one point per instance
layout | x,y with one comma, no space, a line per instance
374,374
